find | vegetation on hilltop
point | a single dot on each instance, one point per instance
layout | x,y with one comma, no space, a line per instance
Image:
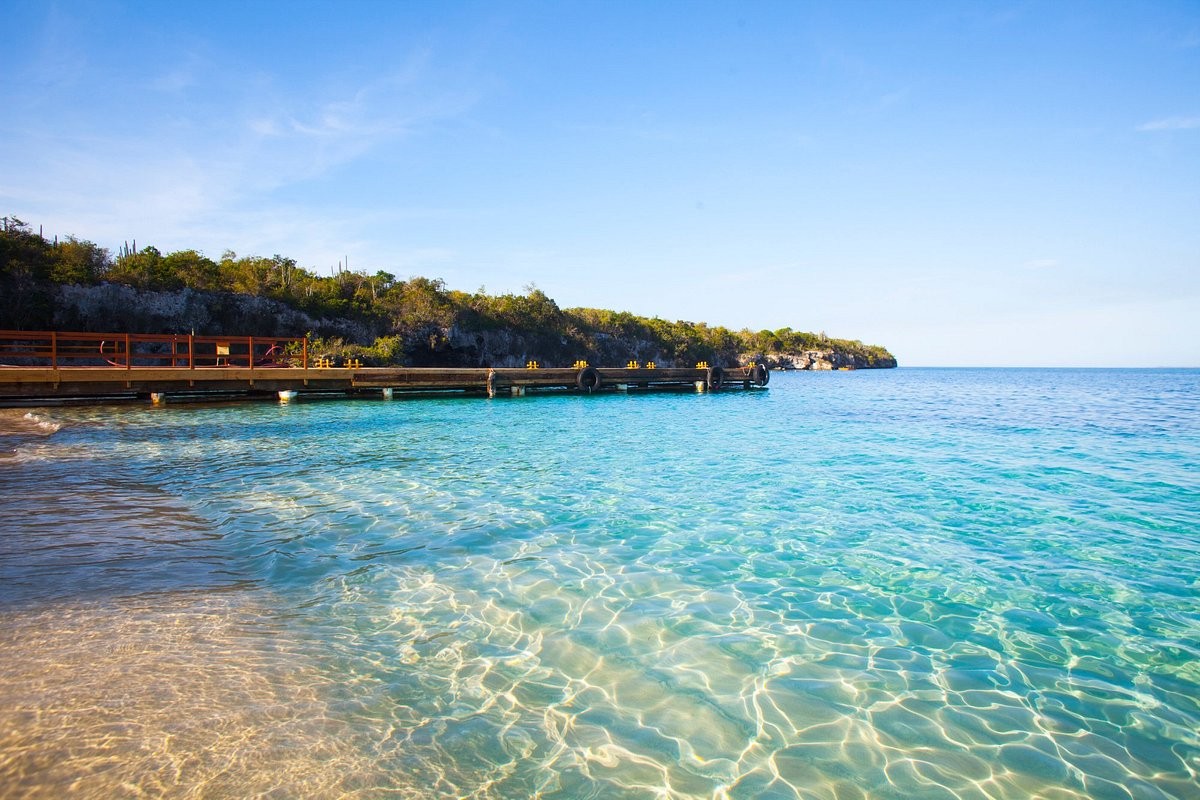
416,321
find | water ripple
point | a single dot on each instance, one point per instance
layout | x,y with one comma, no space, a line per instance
917,583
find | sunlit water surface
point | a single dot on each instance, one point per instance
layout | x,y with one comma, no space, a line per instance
899,584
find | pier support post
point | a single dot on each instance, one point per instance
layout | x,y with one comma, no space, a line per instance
387,393
287,395
158,398
518,391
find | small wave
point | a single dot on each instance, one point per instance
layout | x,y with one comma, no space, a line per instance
18,432
41,423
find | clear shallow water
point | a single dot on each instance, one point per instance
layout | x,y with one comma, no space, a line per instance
912,583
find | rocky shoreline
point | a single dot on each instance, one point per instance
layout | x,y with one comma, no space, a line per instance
819,360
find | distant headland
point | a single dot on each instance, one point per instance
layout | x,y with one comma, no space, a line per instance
74,284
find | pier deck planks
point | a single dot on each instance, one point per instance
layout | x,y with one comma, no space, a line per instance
27,382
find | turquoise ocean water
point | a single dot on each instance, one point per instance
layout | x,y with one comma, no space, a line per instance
896,584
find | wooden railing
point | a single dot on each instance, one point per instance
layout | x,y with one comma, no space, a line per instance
141,350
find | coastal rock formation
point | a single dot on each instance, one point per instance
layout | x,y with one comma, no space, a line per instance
828,359
459,346
510,347
117,307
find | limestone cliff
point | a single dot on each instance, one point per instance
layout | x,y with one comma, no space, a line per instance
827,359
450,336
117,307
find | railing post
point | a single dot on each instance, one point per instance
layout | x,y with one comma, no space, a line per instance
128,353
250,360
191,351
54,349
304,351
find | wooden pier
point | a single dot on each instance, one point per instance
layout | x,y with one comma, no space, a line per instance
112,366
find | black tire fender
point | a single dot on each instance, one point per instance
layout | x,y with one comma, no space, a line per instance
760,375
716,376
588,379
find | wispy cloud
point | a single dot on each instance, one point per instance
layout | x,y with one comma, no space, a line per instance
644,127
185,74
892,99
300,138
174,81
1171,124
59,62
1041,263
743,278
213,162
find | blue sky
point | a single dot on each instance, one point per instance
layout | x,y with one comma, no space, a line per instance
966,183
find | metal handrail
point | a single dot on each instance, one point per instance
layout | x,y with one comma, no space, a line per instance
61,349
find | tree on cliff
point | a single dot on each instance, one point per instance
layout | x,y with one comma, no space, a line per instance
79,261
30,266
